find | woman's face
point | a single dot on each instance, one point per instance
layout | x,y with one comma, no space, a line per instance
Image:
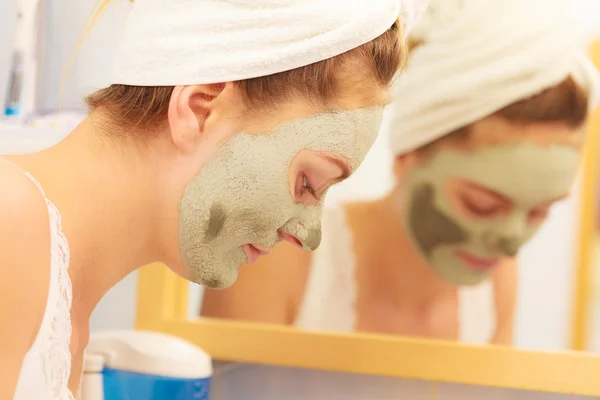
469,205
266,182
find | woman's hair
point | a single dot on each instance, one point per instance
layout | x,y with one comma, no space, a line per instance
144,107
565,103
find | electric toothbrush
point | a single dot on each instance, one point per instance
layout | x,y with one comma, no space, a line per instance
21,88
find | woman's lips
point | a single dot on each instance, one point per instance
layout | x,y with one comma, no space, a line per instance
477,262
287,237
253,252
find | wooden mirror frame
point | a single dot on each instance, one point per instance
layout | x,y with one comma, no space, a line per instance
587,229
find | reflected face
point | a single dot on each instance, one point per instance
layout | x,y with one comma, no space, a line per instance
467,210
258,190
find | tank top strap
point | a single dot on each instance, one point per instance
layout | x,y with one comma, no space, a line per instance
330,294
341,237
477,313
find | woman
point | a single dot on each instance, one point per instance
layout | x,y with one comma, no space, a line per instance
174,163
486,136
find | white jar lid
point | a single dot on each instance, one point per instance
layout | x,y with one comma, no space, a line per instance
151,353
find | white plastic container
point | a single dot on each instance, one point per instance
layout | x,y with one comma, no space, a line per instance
139,365
91,383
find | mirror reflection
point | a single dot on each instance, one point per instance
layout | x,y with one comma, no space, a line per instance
462,222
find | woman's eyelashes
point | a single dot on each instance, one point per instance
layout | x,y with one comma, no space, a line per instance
307,188
311,185
480,208
307,192
488,208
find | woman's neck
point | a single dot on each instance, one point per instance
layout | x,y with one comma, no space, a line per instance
399,270
108,200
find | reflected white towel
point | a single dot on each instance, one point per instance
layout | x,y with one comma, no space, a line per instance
479,56
182,42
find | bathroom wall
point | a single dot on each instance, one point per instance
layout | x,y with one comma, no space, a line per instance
546,263
66,22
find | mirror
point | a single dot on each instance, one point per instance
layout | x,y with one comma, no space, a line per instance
367,276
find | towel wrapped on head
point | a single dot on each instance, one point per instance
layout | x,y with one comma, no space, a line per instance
185,42
479,56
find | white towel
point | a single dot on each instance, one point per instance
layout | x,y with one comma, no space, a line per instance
479,56
183,42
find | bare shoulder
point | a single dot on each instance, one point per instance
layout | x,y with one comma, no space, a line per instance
505,278
18,192
24,262
504,281
23,211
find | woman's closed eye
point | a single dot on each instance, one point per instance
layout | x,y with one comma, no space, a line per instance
307,188
306,191
315,175
481,208
311,188
478,203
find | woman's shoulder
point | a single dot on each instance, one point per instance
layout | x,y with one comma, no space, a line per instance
24,234
21,202
24,257
24,227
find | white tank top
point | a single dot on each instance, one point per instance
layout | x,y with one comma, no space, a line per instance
47,365
330,295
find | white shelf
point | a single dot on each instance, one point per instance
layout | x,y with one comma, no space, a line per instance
17,138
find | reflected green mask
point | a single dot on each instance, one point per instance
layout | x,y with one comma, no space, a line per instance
526,173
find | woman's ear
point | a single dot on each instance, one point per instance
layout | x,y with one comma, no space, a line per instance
190,107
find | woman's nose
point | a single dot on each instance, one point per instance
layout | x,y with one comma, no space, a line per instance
510,246
311,242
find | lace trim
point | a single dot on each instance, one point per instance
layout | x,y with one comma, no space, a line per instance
55,341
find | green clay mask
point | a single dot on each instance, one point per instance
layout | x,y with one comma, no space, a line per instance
242,195
525,173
